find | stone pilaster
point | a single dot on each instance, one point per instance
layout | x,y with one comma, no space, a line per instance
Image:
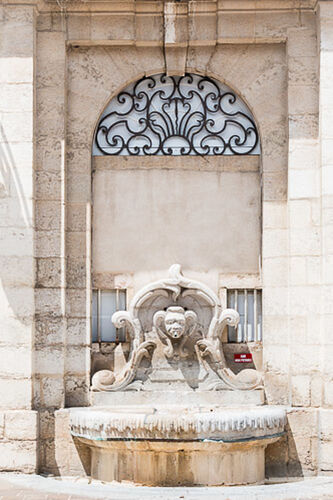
325,46
50,216
17,263
303,218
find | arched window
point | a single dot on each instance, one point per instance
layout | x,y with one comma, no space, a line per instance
176,115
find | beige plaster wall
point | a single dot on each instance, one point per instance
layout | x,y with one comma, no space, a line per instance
151,213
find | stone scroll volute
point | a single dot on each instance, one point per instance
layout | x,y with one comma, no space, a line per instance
183,321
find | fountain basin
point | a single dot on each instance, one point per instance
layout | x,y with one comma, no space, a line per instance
172,446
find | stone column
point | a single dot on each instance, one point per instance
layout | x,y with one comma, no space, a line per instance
18,429
325,46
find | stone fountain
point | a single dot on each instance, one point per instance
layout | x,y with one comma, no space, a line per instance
175,414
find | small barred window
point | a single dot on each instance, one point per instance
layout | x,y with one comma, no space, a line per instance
248,303
104,304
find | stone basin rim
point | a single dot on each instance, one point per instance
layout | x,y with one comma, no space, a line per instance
169,408
202,440
180,424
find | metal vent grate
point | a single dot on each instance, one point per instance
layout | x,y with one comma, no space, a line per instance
248,304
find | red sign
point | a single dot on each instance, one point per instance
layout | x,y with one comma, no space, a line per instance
243,358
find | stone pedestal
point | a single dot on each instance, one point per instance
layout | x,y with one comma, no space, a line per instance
179,463
173,446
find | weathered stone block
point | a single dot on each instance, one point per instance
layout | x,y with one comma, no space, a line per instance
276,358
48,185
49,329
300,213
112,27
48,215
16,97
275,215
274,326
300,387
76,272
52,392
303,127
297,272
236,25
17,303
303,153
276,458
48,301
44,22
275,186
51,51
328,392
18,124
17,271
302,455
277,388
316,388
302,70
77,331
275,300
305,359
48,244
302,99
303,422
76,244
303,183
49,360
148,27
77,359
77,217
20,456
16,361
21,425
2,424
275,243
275,271
302,42
78,30
77,389
305,242
49,272
19,241
46,422
76,303
15,393
16,69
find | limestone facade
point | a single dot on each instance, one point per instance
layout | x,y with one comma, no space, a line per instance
61,63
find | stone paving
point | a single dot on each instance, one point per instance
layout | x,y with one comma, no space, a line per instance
33,487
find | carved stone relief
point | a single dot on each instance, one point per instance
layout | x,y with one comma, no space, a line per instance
175,326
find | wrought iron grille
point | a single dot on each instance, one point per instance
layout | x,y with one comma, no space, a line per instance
176,115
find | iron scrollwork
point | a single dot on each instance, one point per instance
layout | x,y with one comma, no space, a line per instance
176,115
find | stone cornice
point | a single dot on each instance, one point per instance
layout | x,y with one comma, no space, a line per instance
156,6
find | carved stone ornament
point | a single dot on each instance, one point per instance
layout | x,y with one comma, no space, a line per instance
183,321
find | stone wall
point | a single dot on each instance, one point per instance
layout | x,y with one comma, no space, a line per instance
56,79
18,435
